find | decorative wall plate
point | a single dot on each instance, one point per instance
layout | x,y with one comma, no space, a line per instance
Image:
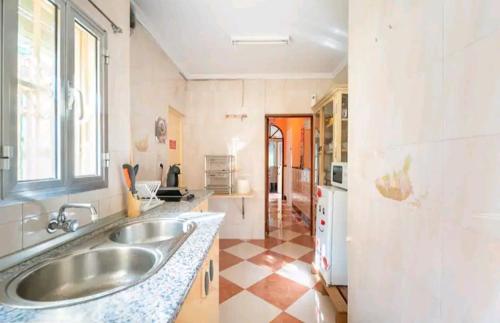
161,130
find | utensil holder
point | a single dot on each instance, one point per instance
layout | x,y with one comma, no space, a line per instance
133,206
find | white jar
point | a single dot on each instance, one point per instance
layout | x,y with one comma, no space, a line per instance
243,186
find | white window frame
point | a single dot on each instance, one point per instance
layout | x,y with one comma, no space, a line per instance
66,182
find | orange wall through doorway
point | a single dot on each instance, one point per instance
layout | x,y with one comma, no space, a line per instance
297,161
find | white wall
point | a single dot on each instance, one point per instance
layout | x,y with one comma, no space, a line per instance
24,224
208,132
424,85
155,85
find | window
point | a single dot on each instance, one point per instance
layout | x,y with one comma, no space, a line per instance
85,124
53,99
37,106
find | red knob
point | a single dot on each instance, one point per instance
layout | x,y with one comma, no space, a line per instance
319,192
322,222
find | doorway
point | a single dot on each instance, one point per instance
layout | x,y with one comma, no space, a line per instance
288,173
174,136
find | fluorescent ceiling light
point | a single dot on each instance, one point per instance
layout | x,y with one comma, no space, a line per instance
260,40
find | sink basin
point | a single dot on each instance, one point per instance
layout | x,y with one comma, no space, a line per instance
80,277
108,267
151,231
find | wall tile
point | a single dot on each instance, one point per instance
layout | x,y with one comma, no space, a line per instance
111,205
417,115
470,274
35,229
422,263
37,217
91,197
411,36
468,21
11,234
36,208
472,90
471,178
11,213
10,229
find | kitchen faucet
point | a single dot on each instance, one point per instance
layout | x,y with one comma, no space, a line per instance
68,225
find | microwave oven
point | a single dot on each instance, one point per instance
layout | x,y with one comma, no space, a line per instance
339,175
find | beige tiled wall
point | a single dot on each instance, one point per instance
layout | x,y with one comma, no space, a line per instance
24,224
11,229
424,84
207,131
155,85
301,191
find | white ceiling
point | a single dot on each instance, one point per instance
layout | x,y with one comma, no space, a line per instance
197,34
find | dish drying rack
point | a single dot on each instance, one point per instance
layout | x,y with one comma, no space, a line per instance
219,173
146,191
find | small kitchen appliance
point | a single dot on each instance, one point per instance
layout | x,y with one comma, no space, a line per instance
173,175
331,228
339,175
173,194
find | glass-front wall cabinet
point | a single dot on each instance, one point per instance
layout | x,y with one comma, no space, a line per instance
317,145
328,140
330,133
344,115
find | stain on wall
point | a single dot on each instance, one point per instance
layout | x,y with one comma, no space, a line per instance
142,145
396,186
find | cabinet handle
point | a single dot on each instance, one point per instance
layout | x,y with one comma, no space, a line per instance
211,270
207,283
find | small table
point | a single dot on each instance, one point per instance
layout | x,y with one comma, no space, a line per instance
236,196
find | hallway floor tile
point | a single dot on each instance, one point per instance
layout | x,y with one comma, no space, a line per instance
245,307
245,250
227,243
227,260
278,290
270,280
267,243
271,260
291,249
245,274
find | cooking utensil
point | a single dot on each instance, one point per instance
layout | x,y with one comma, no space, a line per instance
127,178
131,175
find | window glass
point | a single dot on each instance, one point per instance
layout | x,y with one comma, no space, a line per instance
37,90
275,132
86,111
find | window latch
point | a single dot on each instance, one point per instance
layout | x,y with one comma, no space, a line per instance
107,159
6,153
106,58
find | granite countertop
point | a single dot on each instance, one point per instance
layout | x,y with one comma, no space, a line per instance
158,299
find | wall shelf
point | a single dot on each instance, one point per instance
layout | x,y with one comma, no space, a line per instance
236,196
233,195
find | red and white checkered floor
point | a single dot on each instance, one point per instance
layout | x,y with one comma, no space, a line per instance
270,280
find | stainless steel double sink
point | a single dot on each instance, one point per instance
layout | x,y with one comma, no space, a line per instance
116,259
